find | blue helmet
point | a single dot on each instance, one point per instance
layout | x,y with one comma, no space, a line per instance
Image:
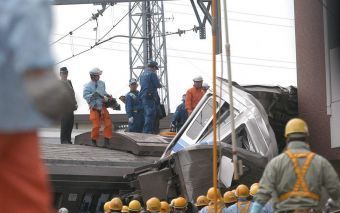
152,63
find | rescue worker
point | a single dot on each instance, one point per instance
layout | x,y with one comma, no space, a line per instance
150,99
165,208
297,175
179,117
95,95
212,196
172,204
194,95
205,87
153,205
254,189
135,206
116,205
243,205
107,207
134,108
180,205
201,202
67,119
31,96
125,209
63,210
229,198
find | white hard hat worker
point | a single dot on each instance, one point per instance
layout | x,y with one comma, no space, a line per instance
95,71
63,210
198,78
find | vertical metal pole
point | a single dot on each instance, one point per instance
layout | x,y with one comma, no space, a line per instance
130,40
231,99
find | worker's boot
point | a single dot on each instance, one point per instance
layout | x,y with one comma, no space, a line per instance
93,142
107,143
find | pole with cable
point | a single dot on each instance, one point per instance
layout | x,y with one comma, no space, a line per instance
230,85
214,42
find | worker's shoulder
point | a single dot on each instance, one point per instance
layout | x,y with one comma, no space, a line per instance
191,90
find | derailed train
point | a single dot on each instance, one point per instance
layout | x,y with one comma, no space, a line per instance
185,167
84,183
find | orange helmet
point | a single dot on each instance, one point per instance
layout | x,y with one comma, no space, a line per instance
229,197
135,206
211,195
165,208
107,207
153,204
180,203
242,191
202,201
125,209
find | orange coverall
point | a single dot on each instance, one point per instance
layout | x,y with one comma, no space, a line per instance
193,96
96,117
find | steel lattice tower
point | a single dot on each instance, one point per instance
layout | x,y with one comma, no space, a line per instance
146,20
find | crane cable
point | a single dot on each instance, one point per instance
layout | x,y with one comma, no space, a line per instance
214,29
231,99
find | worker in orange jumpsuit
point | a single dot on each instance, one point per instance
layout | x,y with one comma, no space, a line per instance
31,95
194,95
95,95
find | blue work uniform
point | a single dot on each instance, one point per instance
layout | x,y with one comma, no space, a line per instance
149,84
94,101
180,116
242,206
134,108
25,28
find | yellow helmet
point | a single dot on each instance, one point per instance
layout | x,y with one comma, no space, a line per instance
211,195
165,208
242,191
125,209
135,206
180,203
254,188
229,197
107,207
172,203
296,125
116,204
202,201
153,204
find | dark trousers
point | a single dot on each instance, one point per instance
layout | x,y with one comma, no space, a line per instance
66,124
138,122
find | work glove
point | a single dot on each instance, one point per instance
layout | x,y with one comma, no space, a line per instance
172,127
131,120
95,95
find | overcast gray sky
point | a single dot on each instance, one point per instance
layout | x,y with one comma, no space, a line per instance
262,38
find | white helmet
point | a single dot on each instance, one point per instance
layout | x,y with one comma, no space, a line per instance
198,78
205,85
96,71
63,210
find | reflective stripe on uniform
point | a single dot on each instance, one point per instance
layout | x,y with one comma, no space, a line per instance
301,188
241,208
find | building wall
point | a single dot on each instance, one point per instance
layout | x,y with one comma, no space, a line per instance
311,75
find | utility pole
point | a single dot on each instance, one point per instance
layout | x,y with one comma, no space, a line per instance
146,20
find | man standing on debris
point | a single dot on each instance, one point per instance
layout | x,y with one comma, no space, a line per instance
297,175
67,119
179,117
30,93
95,95
150,99
134,108
194,95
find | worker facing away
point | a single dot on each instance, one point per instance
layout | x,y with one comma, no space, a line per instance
125,209
150,99
201,202
153,205
67,119
243,205
135,206
96,95
180,205
106,207
297,175
31,96
179,117
165,207
116,205
194,95
213,195
134,108
229,198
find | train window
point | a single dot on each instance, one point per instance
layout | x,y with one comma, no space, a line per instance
242,139
201,120
101,201
86,203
